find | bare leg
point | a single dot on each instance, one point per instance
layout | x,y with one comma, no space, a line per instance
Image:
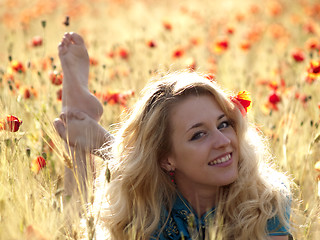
76,179
82,135
76,96
74,60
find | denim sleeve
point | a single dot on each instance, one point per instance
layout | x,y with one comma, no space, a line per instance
275,227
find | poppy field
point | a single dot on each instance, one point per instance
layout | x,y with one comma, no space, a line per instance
268,48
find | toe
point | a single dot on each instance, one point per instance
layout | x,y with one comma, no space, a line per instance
67,35
63,117
66,40
62,48
76,38
60,128
79,115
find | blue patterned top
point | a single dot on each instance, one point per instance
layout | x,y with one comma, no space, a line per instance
184,223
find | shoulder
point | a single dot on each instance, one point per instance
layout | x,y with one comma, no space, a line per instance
276,227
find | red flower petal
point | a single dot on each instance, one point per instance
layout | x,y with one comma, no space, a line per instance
298,55
36,41
37,164
11,123
56,77
243,100
274,98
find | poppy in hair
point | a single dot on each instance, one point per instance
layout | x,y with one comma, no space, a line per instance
242,101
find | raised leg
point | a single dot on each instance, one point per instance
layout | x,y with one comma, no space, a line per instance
74,60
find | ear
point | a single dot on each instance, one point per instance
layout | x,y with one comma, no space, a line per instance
168,164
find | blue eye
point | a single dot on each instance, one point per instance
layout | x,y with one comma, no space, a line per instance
197,135
224,124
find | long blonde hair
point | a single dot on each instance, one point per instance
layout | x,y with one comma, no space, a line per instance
140,188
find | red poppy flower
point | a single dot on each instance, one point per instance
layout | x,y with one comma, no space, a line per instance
243,98
274,8
178,53
245,45
312,44
220,46
167,25
298,55
229,30
240,17
310,27
210,76
36,41
273,85
254,34
314,67
123,53
274,98
17,66
59,94
116,97
111,54
313,71
93,61
310,78
56,77
37,164
151,44
11,123
304,99
26,93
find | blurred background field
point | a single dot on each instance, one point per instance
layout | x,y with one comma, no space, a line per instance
269,48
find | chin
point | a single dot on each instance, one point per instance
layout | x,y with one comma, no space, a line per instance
231,180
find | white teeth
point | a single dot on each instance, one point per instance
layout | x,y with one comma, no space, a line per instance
220,160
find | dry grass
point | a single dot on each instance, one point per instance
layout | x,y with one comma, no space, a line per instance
273,29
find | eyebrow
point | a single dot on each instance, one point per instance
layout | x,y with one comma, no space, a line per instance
201,123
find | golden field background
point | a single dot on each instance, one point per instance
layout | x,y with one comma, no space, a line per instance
269,48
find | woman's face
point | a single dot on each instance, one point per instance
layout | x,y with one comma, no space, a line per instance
205,146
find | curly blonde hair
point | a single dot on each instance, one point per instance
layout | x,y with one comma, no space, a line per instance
140,188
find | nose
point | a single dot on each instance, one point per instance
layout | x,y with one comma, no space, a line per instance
220,140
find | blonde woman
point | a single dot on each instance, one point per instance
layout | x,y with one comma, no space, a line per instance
185,164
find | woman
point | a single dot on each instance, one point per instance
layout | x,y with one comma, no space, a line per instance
185,164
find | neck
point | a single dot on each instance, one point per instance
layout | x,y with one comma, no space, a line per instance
201,200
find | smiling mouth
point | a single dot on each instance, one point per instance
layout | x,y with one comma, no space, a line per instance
220,160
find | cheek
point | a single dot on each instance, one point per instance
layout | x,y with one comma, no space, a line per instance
184,155
235,143
234,138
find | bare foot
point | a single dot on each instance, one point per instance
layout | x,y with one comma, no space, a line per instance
74,60
78,129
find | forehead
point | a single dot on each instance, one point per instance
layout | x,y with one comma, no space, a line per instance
193,110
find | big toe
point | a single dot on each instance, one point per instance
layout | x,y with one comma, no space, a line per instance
60,128
76,38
